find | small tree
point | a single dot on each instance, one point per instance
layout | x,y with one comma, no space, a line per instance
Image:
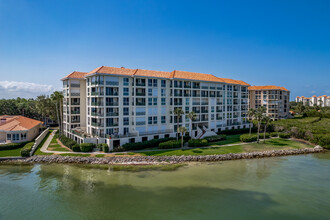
182,130
258,116
192,116
266,120
178,112
251,114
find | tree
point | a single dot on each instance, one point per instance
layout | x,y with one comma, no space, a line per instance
178,112
251,114
57,99
182,130
258,116
192,116
266,120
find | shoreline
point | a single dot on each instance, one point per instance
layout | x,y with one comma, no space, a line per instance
157,160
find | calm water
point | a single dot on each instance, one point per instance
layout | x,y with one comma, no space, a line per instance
295,187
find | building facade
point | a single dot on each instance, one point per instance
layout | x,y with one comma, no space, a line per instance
274,98
119,105
16,129
323,101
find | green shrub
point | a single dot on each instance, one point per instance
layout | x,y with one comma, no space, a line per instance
261,135
67,141
197,143
322,139
103,147
170,144
248,138
141,145
25,152
274,134
214,138
284,135
12,146
86,147
76,148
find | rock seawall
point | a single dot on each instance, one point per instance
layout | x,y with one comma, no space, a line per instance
165,159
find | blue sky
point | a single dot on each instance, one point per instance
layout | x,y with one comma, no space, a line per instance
284,43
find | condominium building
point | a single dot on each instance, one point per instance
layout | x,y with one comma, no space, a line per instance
323,101
119,105
274,98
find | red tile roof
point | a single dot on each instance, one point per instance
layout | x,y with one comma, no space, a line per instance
176,74
267,88
75,75
17,123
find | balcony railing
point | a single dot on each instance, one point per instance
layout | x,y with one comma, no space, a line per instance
112,124
112,103
75,112
97,93
112,113
97,124
114,136
141,133
140,84
97,104
140,113
75,85
99,114
113,94
140,93
75,121
141,103
75,94
112,83
140,123
75,103
97,83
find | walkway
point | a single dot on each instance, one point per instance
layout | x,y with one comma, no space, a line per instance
47,142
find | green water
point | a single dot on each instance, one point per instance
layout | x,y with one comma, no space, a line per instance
294,187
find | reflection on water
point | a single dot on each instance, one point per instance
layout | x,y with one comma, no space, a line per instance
272,188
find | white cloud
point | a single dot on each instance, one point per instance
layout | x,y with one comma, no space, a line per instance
13,89
313,92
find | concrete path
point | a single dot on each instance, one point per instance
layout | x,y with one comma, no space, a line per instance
47,142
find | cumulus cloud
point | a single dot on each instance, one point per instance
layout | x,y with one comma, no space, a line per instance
13,89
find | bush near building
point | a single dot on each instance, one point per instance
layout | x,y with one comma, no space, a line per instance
170,144
284,135
25,152
274,134
86,147
67,141
76,148
248,138
261,135
141,145
214,138
12,146
197,143
103,147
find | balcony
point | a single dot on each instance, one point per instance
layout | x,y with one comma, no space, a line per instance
75,103
99,114
97,124
75,112
156,132
110,83
75,85
97,83
112,104
114,136
112,114
75,121
140,94
140,113
112,124
140,103
115,93
140,123
140,84
97,104
97,93
177,103
204,103
75,94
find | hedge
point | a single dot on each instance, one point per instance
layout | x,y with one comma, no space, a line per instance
248,138
141,145
284,135
322,140
67,141
274,134
86,147
25,152
237,131
261,135
103,147
12,146
170,144
197,143
214,138
76,148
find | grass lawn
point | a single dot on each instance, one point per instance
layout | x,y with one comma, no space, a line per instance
271,144
76,155
230,139
99,155
11,153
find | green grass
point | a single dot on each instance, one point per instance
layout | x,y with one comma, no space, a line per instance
271,144
99,155
230,139
11,153
60,149
76,155
128,153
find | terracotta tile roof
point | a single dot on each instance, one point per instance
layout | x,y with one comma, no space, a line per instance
17,123
267,88
75,75
176,74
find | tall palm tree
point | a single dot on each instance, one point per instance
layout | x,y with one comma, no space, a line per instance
251,114
266,120
183,131
178,112
57,99
258,116
192,116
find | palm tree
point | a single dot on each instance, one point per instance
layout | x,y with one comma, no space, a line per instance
182,130
57,99
258,116
192,116
251,114
178,112
266,120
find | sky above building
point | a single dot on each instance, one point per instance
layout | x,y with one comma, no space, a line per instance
283,43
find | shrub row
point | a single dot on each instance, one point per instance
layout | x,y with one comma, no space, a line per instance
197,142
322,140
214,138
284,135
170,144
141,145
103,147
12,146
25,152
67,141
248,138
261,135
274,134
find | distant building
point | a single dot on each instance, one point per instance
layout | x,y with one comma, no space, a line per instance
274,98
15,128
323,101
119,105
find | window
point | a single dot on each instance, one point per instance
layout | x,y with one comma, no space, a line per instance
149,92
149,101
163,83
155,119
163,118
8,136
126,121
126,91
155,82
155,101
163,101
126,111
150,120
187,101
126,130
23,136
149,82
163,92
125,101
126,81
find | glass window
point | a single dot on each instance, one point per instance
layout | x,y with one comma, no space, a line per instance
126,111
126,121
155,82
187,101
126,91
163,91
149,92
8,136
126,81
155,119
163,118
150,120
149,101
163,83
163,101
155,101
126,101
149,82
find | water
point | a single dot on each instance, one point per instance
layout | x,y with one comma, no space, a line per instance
294,187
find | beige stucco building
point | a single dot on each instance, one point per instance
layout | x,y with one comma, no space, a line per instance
274,98
323,101
16,129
